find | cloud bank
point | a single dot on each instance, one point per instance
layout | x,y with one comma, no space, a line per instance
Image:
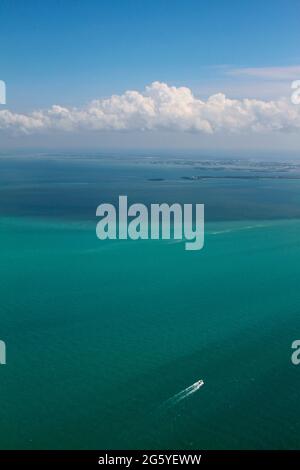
160,107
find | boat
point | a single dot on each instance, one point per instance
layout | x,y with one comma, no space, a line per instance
199,383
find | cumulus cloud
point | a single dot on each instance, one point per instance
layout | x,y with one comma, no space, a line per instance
160,107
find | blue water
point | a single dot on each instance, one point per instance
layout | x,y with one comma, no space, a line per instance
100,335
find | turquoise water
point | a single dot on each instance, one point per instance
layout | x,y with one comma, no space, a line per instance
101,334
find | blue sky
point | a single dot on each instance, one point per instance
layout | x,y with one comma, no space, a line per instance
71,52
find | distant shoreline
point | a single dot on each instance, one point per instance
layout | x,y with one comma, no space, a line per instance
240,177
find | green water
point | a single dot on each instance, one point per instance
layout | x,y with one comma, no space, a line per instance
100,334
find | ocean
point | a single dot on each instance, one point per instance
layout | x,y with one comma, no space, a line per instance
105,340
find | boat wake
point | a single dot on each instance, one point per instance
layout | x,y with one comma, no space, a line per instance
238,229
183,394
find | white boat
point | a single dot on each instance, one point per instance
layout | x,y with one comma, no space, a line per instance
199,383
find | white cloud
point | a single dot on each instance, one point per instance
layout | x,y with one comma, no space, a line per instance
160,107
268,73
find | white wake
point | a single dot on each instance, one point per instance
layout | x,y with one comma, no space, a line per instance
184,393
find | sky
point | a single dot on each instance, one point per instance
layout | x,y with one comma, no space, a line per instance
168,73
